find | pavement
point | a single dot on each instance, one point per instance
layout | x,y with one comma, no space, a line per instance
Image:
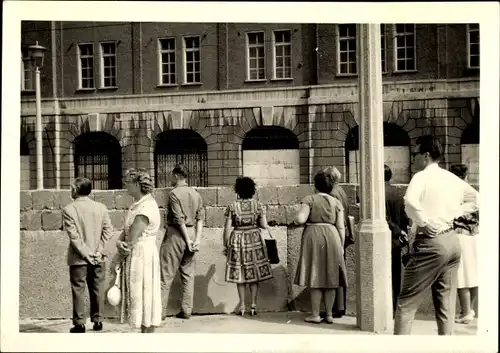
270,323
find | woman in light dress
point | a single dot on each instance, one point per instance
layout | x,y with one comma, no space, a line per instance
140,283
321,265
467,270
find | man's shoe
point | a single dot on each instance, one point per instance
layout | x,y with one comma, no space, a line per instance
338,314
77,329
97,326
182,315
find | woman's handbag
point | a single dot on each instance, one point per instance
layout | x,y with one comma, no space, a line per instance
114,293
272,249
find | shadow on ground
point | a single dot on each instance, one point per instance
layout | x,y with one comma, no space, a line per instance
32,328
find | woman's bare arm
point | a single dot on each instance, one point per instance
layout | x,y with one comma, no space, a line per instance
340,225
303,214
136,229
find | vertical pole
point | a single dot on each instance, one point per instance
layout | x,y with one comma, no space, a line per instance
39,141
57,129
373,246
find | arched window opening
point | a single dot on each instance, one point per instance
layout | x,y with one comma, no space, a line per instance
271,156
397,153
25,165
470,150
180,146
98,157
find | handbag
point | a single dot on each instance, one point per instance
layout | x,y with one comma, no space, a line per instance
114,293
272,249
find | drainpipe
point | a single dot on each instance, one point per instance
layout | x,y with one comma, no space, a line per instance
57,127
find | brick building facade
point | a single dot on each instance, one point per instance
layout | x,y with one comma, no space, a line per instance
273,101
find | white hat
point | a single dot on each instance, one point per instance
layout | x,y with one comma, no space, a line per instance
114,296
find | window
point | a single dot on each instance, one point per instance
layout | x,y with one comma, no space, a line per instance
282,54
27,74
192,60
256,68
86,66
405,44
108,65
167,61
346,52
473,45
383,46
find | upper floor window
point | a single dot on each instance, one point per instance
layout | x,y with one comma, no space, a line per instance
167,61
383,46
192,59
346,49
282,54
86,66
27,74
405,47
256,68
108,65
473,45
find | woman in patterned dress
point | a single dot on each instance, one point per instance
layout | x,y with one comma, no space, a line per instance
140,282
321,265
247,261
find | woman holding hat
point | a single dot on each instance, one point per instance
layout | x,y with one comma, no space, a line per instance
141,288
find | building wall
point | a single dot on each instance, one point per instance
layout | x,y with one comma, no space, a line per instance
43,269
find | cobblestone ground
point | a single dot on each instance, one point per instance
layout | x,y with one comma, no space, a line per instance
274,323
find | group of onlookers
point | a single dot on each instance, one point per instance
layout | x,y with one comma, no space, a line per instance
436,207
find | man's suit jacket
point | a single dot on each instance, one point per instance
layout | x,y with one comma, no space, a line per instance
88,226
394,210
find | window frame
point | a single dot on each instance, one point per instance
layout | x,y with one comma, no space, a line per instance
468,46
395,48
184,55
337,42
248,46
101,62
79,67
273,40
25,59
160,62
383,58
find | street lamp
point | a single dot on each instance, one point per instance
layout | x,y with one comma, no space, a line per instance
36,53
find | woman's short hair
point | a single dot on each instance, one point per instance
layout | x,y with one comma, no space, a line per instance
323,182
335,173
387,173
460,170
82,186
140,176
245,187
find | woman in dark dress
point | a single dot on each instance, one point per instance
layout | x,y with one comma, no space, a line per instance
321,264
244,247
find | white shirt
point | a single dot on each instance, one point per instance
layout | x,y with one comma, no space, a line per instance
436,196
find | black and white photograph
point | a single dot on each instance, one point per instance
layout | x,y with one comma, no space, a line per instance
232,178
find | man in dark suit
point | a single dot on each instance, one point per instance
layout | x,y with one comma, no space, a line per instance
89,228
398,224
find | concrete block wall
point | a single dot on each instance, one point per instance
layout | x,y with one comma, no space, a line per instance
44,272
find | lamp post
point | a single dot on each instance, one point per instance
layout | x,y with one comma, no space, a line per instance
36,53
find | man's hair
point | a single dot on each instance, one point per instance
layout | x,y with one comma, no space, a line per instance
430,144
387,173
180,170
460,170
323,182
82,186
244,187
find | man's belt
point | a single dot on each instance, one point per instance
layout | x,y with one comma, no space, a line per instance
443,232
177,225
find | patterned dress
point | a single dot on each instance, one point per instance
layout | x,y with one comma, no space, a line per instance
140,282
247,260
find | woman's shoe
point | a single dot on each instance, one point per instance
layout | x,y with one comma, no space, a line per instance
329,319
241,312
313,319
253,310
466,319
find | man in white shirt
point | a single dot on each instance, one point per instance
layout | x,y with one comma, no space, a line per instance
434,198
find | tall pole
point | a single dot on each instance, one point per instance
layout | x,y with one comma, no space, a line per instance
373,246
39,141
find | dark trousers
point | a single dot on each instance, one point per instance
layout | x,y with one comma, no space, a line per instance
91,276
340,303
433,265
396,264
